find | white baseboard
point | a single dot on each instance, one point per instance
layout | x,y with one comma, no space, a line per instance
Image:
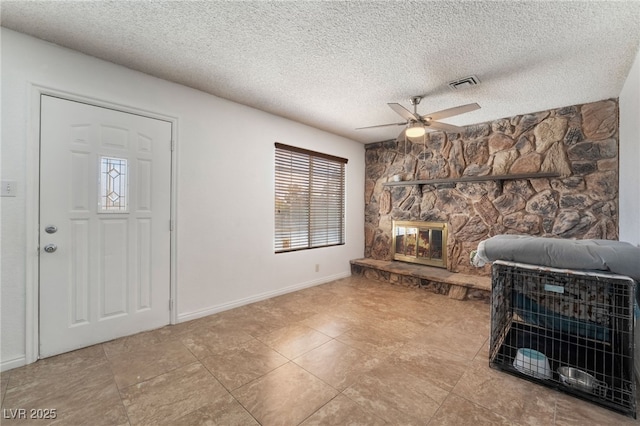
188,316
13,363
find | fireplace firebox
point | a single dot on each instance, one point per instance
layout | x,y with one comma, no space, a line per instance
420,242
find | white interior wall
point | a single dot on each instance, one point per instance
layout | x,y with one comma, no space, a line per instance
225,185
630,156
629,173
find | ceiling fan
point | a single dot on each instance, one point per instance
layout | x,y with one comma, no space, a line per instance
417,124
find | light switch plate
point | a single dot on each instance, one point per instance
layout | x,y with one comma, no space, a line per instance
8,188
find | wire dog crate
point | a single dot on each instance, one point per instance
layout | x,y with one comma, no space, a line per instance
569,330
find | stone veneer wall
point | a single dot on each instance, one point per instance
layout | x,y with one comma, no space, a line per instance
579,142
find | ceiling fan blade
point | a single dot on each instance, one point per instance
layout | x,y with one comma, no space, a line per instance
382,125
436,125
404,113
450,112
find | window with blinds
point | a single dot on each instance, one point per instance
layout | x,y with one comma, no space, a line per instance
309,199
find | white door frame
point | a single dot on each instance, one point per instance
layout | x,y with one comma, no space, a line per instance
32,199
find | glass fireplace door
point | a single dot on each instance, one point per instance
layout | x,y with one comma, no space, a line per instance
420,242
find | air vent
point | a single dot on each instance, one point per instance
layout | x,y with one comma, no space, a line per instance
464,83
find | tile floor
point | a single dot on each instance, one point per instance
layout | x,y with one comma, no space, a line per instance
353,351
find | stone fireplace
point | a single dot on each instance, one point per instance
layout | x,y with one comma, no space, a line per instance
420,242
578,144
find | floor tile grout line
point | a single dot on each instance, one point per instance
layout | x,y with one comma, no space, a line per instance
439,408
260,377
318,409
482,405
299,355
196,361
314,375
230,394
365,409
216,378
479,404
6,387
244,384
121,397
146,347
202,359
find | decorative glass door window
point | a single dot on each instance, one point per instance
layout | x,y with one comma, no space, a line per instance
114,181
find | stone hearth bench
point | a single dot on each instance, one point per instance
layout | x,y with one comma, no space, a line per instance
455,285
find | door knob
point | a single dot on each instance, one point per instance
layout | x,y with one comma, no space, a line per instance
51,229
50,248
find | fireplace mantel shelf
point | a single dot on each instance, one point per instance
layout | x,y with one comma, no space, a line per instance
498,178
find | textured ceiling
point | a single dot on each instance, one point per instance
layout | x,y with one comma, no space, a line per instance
335,65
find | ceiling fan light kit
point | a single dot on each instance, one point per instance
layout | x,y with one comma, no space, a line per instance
415,130
417,124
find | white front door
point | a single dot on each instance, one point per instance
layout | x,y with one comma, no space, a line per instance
105,195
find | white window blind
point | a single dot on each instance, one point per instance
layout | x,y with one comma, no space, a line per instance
309,199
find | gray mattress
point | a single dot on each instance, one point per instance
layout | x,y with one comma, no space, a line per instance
602,255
